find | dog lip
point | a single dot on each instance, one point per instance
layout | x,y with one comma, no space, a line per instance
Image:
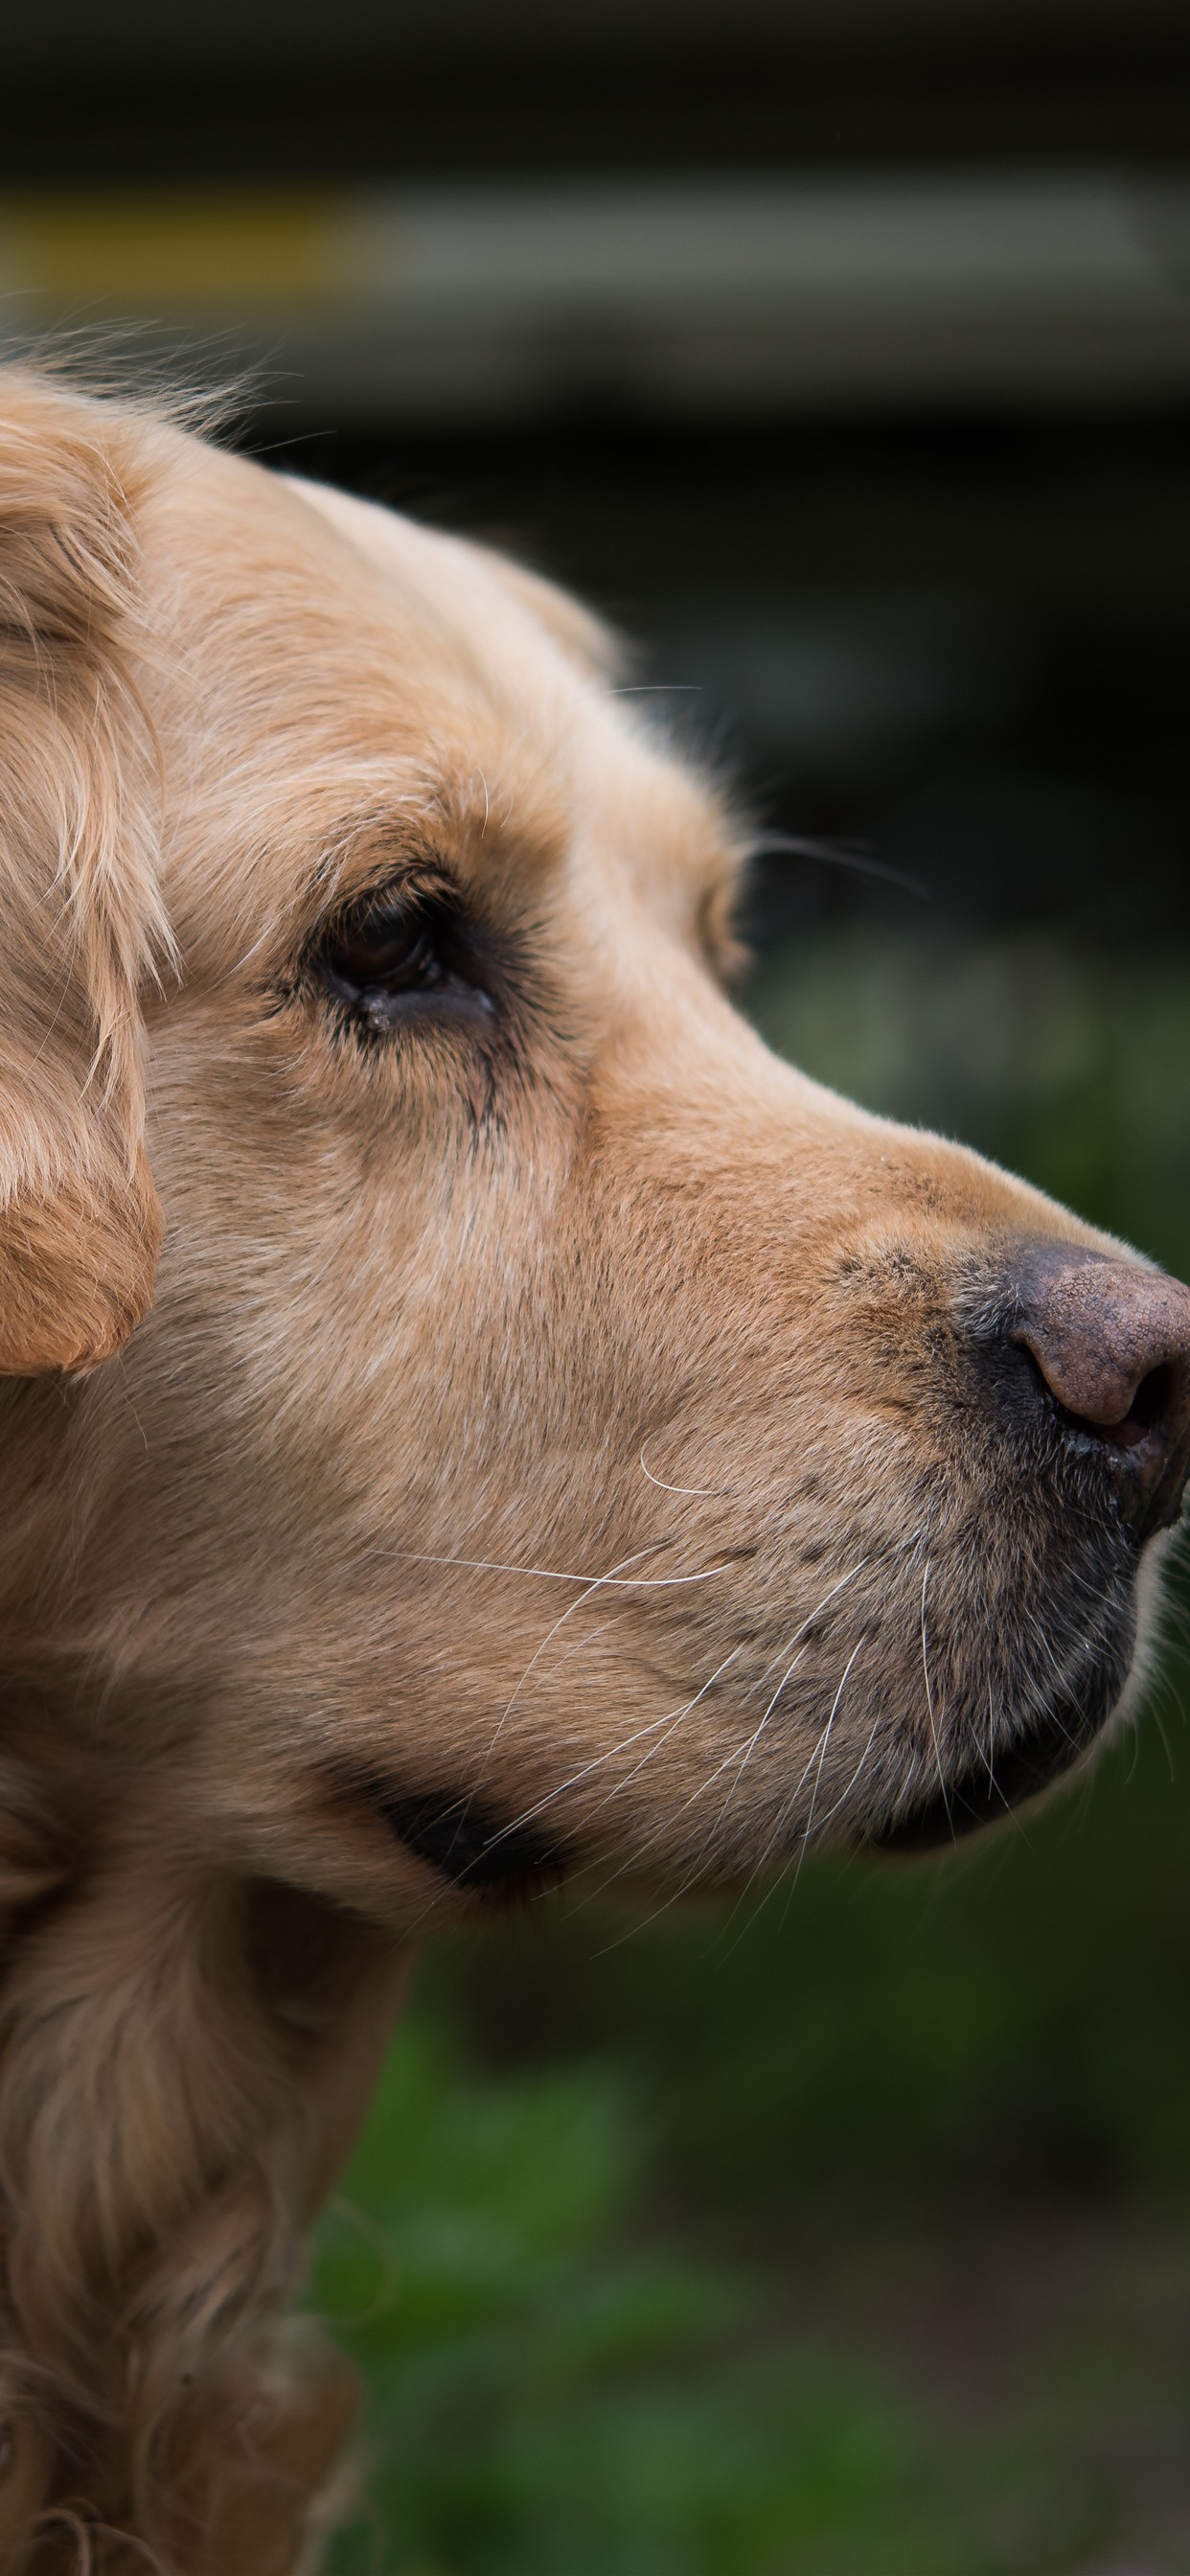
1147,1494
1120,1468
466,1842
978,1797
1165,1505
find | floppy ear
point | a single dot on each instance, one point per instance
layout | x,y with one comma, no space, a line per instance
79,1218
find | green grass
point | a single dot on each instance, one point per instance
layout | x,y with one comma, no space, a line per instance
552,2393
644,2274
849,2232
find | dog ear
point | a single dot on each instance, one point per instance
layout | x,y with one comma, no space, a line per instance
79,1217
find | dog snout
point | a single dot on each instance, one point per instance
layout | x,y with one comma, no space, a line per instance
1110,1341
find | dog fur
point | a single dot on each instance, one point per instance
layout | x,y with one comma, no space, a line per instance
528,1431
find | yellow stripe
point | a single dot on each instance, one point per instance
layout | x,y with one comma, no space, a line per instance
174,249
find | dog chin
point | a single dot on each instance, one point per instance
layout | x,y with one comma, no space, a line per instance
1047,1746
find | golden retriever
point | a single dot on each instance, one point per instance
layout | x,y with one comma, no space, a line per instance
469,1413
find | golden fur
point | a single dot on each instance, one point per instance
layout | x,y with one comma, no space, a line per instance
533,1437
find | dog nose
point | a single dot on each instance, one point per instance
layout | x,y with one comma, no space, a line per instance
1111,1340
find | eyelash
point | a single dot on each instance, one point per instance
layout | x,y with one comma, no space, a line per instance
398,957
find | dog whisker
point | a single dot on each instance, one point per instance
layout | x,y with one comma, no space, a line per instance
678,1719
853,1783
695,1492
800,1632
856,1651
789,1802
601,1583
786,1677
749,1749
925,1666
613,1582
633,1860
743,1749
670,1722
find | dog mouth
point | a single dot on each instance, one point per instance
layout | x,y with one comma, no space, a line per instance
984,1791
467,1843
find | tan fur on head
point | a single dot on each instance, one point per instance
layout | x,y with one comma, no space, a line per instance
79,1218
556,1435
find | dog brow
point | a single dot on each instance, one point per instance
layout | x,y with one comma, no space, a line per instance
464,829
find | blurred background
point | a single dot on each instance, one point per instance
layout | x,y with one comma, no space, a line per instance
840,350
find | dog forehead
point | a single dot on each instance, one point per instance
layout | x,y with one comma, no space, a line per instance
231,549
495,603
556,662
318,658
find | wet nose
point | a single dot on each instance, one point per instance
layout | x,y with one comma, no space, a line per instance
1111,1340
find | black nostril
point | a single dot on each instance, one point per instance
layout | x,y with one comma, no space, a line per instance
1154,1406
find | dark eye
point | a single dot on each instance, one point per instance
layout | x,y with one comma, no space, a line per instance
396,957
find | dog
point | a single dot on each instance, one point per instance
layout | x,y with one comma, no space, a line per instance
470,1415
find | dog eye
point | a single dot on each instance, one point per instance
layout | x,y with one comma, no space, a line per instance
392,959
400,955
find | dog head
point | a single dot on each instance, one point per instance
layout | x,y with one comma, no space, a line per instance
558,1433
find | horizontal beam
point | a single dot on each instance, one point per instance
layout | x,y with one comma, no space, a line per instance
716,299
